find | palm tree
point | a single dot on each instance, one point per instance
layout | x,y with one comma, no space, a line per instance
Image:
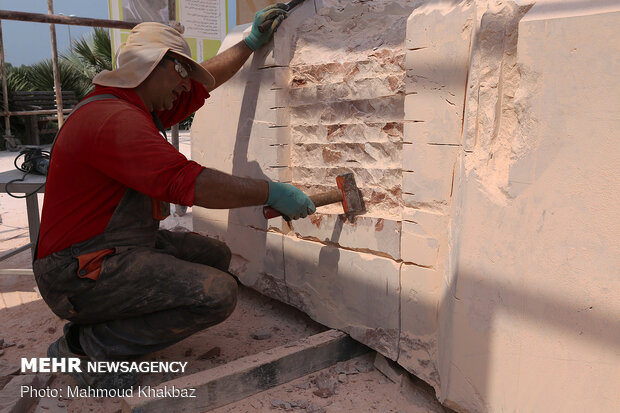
91,56
86,58
40,76
16,77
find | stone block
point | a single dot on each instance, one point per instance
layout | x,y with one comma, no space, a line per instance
430,132
282,78
284,38
443,117
410,106
281,174
334,286
384,132
417,247
410,157
380,85
414,132
376,110
420,297
261,135
431,26
258,253
266,110
283,155
365,233
264,56
509,326
442,68
283,135
428,222
433,167
282,116
262,155
282,98
375,155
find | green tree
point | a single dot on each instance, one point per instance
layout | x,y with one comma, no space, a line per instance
86,58
77,67
89,56
40,76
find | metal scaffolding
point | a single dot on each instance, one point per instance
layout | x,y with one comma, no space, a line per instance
52,20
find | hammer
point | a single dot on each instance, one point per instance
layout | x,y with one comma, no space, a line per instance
347,193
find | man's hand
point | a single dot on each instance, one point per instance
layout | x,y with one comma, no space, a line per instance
289,201
275,13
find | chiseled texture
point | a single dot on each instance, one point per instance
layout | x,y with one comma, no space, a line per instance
346,100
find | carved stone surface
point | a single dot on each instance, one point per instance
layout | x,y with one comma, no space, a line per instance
482,139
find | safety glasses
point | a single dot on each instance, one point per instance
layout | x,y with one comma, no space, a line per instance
182,69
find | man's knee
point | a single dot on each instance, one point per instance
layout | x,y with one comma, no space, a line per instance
215,253
226,256
221,296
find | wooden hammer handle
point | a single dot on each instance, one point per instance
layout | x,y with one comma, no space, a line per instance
325,198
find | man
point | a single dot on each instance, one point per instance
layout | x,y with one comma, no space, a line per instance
126,287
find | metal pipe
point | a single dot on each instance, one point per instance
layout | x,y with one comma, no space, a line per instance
33,112
174,135
180,210
75,21
5,89
57,86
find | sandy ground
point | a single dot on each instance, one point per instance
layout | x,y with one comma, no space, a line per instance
358,387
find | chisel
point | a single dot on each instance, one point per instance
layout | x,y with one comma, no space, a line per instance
289,6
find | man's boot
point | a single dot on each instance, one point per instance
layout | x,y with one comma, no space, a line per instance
85,379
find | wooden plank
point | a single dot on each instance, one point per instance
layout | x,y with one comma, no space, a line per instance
36,99
249,375
11,253
17,271
19,93
35,112
40,103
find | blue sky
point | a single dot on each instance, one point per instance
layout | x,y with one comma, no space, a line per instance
26,43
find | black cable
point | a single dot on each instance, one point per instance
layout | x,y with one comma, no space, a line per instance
35,161
32,158
20,180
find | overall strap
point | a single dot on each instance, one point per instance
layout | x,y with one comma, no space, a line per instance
158,124
79,105
75,108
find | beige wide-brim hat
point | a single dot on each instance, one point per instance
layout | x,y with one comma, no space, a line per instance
145,47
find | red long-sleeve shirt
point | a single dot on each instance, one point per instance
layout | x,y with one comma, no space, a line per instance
104,148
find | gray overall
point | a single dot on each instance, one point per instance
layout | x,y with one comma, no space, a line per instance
154,288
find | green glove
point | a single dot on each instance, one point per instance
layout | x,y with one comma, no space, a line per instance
289,201
275,13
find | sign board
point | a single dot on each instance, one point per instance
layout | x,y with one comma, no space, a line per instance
246,9
206,22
